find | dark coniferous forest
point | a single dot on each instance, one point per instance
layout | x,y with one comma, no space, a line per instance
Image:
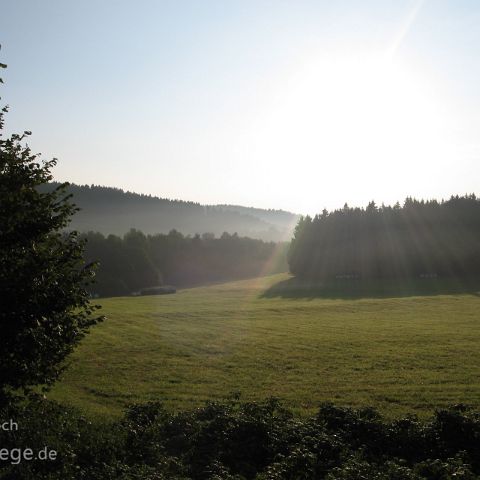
421,239
136,261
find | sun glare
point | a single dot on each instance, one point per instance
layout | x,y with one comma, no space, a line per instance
348,107
361,112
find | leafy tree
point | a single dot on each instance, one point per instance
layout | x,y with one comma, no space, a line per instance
44,304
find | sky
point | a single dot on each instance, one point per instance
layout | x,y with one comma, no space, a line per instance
296,105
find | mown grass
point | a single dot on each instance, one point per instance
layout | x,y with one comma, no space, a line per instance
400,354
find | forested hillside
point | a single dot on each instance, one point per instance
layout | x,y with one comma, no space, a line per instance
113,211
421,239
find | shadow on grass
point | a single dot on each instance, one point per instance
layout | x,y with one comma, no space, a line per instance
356,289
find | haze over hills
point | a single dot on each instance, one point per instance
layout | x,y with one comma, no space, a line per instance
112,210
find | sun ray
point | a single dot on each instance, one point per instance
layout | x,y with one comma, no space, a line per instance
405,27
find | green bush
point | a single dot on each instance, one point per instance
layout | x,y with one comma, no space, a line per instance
236,440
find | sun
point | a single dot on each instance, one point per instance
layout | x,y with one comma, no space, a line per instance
357,113
354,107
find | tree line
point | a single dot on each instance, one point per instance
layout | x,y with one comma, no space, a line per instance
135,261
419,239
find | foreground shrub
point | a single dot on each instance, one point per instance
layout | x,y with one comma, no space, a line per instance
237,440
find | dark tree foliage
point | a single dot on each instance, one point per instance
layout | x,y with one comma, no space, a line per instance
236,440
44,307
420,239
137,261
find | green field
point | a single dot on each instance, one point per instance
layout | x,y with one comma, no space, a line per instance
398,353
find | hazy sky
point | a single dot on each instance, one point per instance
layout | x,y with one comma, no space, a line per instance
293,104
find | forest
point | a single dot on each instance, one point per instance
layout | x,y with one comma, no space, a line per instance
421,239
135,261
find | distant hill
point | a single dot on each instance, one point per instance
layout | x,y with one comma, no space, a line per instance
112,210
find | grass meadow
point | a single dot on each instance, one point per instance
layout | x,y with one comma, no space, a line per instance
402,353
